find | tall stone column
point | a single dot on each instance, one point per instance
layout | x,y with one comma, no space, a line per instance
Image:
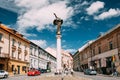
59,68
58,22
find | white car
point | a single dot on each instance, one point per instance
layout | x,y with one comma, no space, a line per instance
3,74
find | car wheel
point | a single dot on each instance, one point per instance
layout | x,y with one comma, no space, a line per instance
5,76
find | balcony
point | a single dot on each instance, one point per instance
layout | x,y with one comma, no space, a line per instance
4,55
26,52
13,48
19,50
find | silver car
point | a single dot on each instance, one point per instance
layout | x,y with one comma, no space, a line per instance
3,74
90,72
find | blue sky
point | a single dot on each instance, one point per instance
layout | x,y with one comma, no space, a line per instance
83,20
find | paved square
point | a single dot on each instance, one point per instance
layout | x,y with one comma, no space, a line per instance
58,77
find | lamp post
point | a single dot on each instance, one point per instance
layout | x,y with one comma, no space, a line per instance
58,22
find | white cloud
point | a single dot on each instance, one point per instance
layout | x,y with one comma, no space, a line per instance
95,7
31,4
41,43
84,3
9,5
71,50
39,13
109,14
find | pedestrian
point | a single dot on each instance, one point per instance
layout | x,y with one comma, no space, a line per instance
72,72
14,71
115,73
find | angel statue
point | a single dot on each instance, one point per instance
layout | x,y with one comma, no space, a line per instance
58,22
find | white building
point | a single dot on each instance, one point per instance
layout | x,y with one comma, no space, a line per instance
39,58
33,56
46,60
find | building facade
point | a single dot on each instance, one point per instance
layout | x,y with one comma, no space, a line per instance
79,58
67,60
34,55
103,54
14,49
18,54
46,60
39,58
76,61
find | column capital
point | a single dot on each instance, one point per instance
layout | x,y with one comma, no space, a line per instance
58,36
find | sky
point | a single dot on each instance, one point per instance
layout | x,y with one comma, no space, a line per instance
83,20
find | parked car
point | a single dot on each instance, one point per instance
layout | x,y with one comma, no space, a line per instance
43,70
33,72
90,72
3,74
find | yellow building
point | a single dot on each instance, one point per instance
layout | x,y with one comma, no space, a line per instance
14,51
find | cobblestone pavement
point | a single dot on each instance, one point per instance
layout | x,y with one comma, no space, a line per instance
51,76
57,77
98,76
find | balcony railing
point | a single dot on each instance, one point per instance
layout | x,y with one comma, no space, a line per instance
19,50
4,55
13,48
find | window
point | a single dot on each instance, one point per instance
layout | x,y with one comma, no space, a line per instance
25,57
19,56
119,55
99,49
31,63
93,52
31,60
13,42
0,50
1,36
19,43
25,47
110,45
34,62
13,54
31,50
35,51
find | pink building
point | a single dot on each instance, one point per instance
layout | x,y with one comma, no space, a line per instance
67,60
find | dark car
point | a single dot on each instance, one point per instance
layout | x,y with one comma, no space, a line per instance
90,72
42,70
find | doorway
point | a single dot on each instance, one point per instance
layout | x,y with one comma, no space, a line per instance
18,69
1,66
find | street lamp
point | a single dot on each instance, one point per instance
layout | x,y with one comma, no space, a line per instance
58,22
